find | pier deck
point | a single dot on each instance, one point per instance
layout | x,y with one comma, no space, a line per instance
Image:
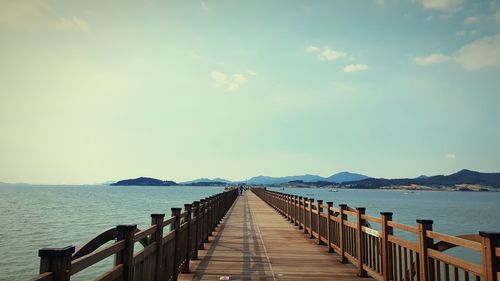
255,243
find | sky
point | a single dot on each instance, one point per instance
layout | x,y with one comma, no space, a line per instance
93,91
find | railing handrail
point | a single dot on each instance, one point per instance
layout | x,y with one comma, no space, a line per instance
189,229
382,254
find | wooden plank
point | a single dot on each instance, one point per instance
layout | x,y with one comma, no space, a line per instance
94,257
46,276
143,233
473,245
255,243
465,265
113,274
402,242
403,227
370,231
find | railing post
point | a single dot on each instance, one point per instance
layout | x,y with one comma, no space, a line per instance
311,202
329,235
202,214
175,226
189,235
126,256
424,243
359,241
320,210
343,217
491,262
299,212
304,214
384,246
157,219
196,205
57,261
295,211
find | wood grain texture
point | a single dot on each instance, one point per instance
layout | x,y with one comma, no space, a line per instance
255,243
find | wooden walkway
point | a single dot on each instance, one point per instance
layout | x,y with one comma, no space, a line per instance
255,243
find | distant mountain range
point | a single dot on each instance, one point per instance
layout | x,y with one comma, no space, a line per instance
336,178
259,180
345,179
461,177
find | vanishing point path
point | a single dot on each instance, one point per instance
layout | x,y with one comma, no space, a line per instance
254,242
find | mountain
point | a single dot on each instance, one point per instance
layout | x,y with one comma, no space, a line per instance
206,180
345,176
278,180
461,177
142,181
336,178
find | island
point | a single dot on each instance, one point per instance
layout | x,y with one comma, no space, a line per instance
143,181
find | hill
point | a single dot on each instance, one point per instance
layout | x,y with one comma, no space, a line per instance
461,177
143,181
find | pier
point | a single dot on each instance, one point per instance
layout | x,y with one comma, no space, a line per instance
266,235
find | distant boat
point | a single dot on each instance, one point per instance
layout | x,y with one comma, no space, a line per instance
333,190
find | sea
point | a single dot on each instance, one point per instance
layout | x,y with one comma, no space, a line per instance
38,216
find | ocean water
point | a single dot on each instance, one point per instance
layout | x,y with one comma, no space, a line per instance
453,213
33,217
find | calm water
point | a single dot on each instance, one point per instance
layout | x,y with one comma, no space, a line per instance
34,217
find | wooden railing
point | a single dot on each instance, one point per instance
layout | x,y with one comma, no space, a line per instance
165,253
379,252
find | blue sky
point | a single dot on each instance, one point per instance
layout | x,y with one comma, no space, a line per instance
92,91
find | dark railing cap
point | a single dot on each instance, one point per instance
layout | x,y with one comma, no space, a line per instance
157,215
188,205
343,205
319,201
56,252
386,213
329,203
362,209
126,227
490,234
175,209
196,202
424,221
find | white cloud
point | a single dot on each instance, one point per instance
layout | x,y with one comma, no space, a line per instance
355,68
331,55
472,20
36,14
482,53
431,59
326,53
204,6
441,5
451,156
479,54
465,32
229,83
312,49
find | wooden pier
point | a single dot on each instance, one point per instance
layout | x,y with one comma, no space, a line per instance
254,243
266,235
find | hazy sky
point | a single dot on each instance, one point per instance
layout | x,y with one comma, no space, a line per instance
92,91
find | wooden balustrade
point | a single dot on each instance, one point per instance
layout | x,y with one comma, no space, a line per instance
165,253
380,253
